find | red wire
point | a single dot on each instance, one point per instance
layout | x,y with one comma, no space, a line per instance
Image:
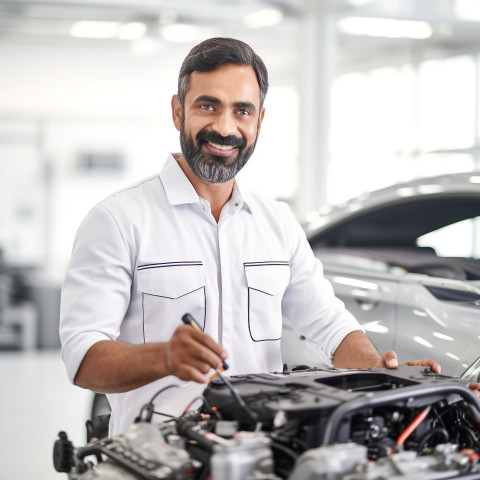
413,425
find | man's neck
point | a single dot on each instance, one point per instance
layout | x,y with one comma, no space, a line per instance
217,194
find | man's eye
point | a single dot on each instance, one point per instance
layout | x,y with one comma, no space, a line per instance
206,107
243,112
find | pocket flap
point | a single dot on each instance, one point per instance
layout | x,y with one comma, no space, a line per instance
268,277
170,280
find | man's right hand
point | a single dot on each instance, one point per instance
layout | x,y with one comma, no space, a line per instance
190,354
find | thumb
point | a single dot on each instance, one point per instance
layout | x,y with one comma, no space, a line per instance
389,359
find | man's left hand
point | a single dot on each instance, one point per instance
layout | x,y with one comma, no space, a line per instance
389,360
476,388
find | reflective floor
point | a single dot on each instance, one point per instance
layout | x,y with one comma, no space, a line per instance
36,402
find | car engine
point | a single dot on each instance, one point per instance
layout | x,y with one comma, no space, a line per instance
312,424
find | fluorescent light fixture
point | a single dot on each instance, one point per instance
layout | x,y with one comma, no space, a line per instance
267,17
423,342
451,355
353,282
146,46
428,189
405,191
375,327
442,336
468,10
435,318
385,27
184,33
359,3
474,179
95,29
132,31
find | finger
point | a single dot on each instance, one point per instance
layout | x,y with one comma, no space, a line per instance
204,349
189,373
189,354
476,389
211,344
186,367
389,359
434,365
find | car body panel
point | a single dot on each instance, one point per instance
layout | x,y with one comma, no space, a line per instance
407,297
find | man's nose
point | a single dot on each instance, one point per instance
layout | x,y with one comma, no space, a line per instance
225,124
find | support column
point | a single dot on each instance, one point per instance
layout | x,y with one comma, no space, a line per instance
317,46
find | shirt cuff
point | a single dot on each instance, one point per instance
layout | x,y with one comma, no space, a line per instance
74,351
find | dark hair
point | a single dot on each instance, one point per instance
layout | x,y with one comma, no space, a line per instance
215,52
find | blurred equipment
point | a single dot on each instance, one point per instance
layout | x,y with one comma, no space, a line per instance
406,423
18,317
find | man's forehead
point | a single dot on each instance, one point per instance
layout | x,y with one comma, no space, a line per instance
231,78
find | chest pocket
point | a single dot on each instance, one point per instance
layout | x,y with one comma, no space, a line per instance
266,282
169,290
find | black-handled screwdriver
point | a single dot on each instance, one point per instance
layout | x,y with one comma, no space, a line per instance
187,319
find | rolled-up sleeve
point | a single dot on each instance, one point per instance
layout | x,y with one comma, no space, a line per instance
96,289
309,301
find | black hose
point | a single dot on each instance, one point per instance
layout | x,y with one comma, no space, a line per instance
426,437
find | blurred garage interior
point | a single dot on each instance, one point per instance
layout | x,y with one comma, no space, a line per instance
364,94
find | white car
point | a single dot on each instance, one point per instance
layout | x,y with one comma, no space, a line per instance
405,260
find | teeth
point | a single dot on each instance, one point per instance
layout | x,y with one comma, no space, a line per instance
221,147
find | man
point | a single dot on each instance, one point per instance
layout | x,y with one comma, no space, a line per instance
189,240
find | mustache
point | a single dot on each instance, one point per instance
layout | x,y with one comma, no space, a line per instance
214,137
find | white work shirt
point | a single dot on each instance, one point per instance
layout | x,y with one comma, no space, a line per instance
152,252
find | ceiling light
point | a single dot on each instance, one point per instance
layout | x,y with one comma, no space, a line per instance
452,355
474,179
132,31
146,46
353,282
442,336
428,189
375,327
267,17
405,191
359,3
423,342
435,318
468,10
385,27
184,33
94,29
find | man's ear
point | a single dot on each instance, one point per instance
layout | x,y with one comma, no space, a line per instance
260,119
177,112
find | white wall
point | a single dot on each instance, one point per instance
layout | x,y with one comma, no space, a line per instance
56,102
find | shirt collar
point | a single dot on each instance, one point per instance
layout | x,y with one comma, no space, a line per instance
242,198
177,187
180,191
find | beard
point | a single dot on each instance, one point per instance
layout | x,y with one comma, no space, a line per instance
213,168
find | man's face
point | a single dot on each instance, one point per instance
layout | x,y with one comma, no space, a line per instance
220,121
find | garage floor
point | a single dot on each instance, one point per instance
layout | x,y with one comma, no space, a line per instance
36,402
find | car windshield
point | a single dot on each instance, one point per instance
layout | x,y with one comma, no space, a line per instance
461,239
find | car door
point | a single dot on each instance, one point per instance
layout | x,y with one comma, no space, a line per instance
439,319
369,292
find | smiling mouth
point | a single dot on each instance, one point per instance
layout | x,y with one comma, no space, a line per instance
221,147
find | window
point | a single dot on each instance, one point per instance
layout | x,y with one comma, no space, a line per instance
460,239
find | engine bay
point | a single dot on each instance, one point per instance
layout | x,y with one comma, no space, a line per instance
406,423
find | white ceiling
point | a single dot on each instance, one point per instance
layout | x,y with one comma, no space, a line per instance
48,22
